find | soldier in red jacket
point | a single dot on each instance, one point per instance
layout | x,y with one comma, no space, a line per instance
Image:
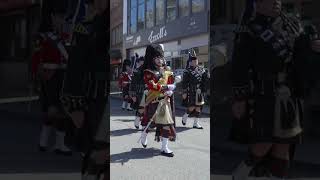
124,84
158,103
48,65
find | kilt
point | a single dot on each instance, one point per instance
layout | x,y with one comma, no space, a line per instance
125,92
51,91
260,126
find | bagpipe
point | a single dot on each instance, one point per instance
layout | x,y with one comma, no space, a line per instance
164,106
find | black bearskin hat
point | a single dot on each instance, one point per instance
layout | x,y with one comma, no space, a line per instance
152,51
125,63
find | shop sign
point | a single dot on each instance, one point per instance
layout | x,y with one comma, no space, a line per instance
160,35
180,28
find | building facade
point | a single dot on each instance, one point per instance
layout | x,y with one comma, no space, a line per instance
19,22
116,40
177,24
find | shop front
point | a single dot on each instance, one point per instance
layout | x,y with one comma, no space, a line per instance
19,22
177,38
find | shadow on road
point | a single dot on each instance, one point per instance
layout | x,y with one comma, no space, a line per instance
182,129
123,132
135,153
124,120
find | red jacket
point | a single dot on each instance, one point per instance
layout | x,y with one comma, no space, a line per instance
151,80
48,54
124,80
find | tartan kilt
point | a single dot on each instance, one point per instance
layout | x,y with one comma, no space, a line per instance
260,127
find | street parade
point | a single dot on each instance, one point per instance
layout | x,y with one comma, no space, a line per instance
152,85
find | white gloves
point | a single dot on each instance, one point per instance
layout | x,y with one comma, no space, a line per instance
169,93
171,87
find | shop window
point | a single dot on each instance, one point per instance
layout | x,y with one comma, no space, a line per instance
159,12
133,16
198,6
141,14
150,13
171,10
184,8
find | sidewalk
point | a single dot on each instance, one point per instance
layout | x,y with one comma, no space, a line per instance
206,108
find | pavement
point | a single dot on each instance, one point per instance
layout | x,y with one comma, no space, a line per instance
130,161
19,156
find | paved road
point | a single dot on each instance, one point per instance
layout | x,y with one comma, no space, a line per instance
129,161
19,156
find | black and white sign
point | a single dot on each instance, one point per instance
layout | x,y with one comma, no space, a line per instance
183,27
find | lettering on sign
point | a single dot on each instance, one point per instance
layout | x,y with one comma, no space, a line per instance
155,37
137,41
129,38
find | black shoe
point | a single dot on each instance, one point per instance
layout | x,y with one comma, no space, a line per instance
195,127
144,146
183,123
65,153
137,127
42,149
167,154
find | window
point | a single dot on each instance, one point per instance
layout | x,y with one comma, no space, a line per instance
133,16
113,37
141,11
120,33
197,5
150,13
159,12
117,35
171,10
184,8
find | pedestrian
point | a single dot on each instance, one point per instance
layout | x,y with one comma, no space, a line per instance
194,84
86,89
49,64
137,89
158,108
268,87
124,84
